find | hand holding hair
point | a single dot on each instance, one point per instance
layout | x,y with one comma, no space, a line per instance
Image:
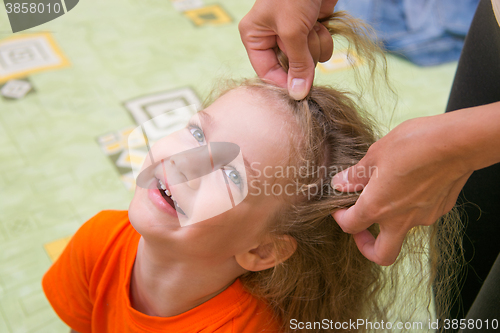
294,28
414,175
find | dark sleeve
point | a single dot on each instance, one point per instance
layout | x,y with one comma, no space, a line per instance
477,82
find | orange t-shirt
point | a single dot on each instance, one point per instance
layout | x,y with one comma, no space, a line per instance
88,287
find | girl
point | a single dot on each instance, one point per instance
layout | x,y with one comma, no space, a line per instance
277,261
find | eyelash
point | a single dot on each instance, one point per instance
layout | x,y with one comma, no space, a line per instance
228,169
192,127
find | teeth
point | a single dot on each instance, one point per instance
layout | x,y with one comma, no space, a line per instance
169,194
164,188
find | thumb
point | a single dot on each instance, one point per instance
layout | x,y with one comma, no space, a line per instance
300,78
300,65
353,179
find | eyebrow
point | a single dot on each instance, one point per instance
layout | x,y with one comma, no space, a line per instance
207,120
206,117
248,168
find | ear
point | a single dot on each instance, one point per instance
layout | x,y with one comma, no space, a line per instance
266,254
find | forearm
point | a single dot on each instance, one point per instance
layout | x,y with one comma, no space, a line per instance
475,135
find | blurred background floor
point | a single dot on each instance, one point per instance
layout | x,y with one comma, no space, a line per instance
63,153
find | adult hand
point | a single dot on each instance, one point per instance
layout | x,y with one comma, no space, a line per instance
411,177
292,26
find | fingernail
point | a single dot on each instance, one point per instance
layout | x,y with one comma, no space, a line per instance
341,177
344,175
338,187
298,89
316,27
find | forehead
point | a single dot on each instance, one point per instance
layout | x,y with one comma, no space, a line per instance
256,123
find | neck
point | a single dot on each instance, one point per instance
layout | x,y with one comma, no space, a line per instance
162,285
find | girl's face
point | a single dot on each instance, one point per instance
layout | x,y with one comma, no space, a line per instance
210,223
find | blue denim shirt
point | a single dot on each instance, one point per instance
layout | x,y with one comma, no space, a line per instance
426,32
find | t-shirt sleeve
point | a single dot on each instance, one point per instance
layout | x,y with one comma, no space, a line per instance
66,283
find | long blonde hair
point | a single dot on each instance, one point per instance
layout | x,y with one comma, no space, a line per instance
327,277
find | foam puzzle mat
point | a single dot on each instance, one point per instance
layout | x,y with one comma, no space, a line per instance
25,54
74,88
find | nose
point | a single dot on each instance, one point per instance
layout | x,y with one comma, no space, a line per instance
201,161
186,169
190,165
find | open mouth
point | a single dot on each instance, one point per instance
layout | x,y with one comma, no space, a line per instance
165,193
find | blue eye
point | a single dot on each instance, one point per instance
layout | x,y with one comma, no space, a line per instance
233,175
197,134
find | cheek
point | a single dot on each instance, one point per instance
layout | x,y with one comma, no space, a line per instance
135,207
137,213
211,199
249,218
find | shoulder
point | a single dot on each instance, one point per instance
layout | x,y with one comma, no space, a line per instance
103,223
101,232
67,284
94,238
250,314
256,316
